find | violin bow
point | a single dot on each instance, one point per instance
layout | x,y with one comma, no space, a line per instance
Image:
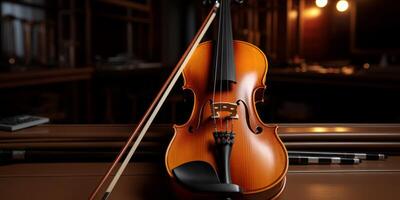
152,111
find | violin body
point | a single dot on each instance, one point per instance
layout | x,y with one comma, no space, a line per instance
258,161
224,148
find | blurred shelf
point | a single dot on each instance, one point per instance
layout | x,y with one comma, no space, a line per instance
24,3
71,11
359,78
128,4
125,18
44,76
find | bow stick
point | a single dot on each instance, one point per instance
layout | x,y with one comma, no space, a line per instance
152,111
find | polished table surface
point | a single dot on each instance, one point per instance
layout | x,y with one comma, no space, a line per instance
148,180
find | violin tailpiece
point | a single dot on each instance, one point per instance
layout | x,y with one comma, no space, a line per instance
223,146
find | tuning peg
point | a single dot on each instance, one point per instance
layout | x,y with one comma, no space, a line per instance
239,1
208,2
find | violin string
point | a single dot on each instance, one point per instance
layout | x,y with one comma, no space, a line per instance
228,56
222,56
216,70
233,57
227,11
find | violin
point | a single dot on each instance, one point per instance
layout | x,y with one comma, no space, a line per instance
224,148
224,129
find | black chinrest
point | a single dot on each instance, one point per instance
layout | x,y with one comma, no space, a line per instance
200,176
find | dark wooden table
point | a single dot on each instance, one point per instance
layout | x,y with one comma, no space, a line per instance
44,76
148,180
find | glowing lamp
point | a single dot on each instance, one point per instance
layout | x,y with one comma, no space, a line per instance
321,3
342,5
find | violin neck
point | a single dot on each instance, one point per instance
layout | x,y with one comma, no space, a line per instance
224,56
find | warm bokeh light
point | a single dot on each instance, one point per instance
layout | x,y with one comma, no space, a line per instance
341,129
312,12
321,3
293,14
11,61
319,129
342,5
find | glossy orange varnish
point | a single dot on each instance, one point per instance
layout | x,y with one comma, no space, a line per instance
258,161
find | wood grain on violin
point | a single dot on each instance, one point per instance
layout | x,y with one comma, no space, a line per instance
258,160
224,148
224,131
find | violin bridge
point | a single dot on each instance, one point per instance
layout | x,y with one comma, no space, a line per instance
217,108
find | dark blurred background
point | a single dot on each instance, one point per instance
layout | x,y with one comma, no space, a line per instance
102,61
